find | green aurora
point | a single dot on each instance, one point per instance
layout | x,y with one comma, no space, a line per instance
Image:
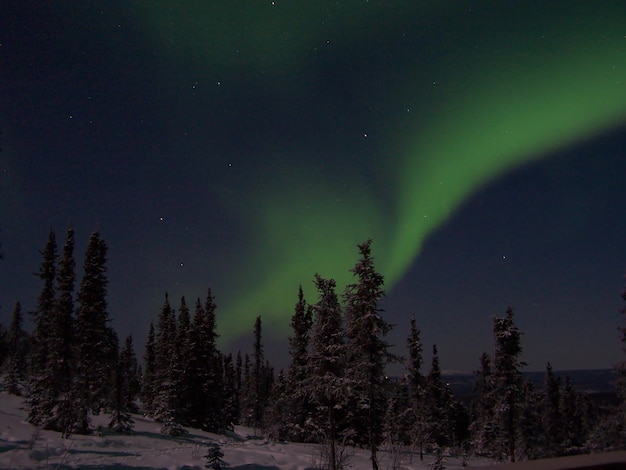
497,89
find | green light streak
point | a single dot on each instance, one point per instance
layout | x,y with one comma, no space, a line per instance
484,115
518,115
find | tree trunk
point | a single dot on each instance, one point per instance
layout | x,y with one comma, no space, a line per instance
331,436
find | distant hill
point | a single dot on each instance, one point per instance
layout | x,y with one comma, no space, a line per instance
591,381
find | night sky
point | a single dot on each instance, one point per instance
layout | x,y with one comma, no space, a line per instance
246,145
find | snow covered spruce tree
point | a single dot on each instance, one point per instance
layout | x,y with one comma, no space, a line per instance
620,369
497,429
230,393
167,373
367,352
38,401
416,383
609,433
246,393
325,382
257,375
95,343
298,406
484,427
148,388
125,390
509,378
208,403
551,418
438,413
61,356
186,356
17,349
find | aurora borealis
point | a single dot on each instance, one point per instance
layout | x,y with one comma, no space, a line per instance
246,146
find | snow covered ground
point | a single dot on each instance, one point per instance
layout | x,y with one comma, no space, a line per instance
23,446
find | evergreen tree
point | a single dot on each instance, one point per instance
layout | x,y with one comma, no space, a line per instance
551,413
126,389
214,457
532,435
437,412
325,383
96,343
484,427
399,420
215,386
609,433
61,339
4,345
185,344
238,384
208,363
573,415
509,380
197,366
38,402
17,350
258,375
231,397
298,406
276,413
416,384
167,373
148,389
368,352
620,370
246,395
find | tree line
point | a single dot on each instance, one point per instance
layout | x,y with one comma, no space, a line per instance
334,390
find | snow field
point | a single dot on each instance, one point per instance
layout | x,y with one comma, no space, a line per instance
22,446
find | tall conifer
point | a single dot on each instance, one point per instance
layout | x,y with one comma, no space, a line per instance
38,401
96,342
325,383
17,349
367,351
416,384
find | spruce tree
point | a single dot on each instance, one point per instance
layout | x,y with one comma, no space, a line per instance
509,379
207,362
61,354
532,433
620,370
197,367
298,407
96,343
214,457
231,397
276,415
148,388
167,373
185,347
484,427
258,375
437,411
39,402
17,349
4,345
367,351
213,388
325,382
238,383
399,420
416,384
126,389
246,395
573,419
551,413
